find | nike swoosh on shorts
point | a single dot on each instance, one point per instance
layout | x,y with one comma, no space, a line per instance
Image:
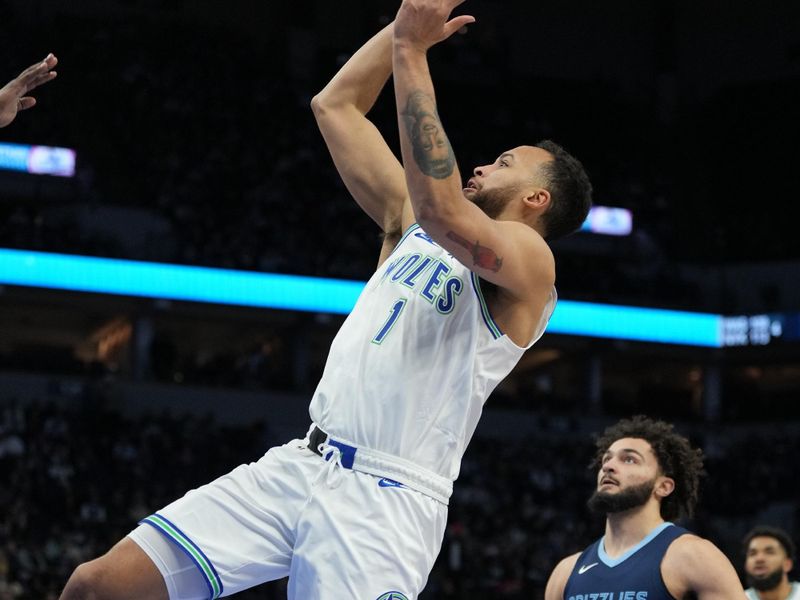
390,483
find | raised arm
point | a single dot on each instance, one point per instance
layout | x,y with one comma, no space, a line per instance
369,169
14,95
506,252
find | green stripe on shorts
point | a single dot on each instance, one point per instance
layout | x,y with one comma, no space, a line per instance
184,542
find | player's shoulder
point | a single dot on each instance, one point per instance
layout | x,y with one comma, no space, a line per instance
536,251
568,563
566,566
525,232
694,564
690,558
557,582
689,544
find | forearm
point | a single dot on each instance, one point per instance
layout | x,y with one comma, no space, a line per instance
432,176
361,79
368,168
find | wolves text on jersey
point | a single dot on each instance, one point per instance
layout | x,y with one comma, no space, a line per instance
427,275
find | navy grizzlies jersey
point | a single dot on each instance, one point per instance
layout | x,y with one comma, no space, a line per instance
636,575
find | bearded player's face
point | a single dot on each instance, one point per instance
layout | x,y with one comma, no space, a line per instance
627,477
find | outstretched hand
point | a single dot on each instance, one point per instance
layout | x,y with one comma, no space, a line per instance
424,23
13,96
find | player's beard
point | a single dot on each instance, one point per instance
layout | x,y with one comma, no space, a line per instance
635,496
766,582
492,202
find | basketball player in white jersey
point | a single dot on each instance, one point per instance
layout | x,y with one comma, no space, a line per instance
769,558
357,509
14,95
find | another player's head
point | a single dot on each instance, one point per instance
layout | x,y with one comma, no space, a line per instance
769,556
551,185
641,461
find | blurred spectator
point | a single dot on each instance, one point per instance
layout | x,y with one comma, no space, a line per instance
769,558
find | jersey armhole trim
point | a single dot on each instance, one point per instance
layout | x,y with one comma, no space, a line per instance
485,314
411,228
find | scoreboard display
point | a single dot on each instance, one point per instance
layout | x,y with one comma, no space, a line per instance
760,330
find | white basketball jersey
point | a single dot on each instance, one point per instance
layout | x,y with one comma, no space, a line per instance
412,365
794,593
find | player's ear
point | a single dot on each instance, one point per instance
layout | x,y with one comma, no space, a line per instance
538,198
664,487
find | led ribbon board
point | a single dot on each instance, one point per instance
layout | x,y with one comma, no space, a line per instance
177,282
637,323
607,220
39,160
292,292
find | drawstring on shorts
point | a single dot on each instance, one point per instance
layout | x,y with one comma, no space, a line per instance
332,470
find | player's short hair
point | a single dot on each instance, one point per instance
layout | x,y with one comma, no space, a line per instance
775,533
676,457
570,192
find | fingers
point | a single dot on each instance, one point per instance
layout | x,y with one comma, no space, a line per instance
25,103
457,23
40,79
38,73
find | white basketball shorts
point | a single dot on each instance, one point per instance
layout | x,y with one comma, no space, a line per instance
337,533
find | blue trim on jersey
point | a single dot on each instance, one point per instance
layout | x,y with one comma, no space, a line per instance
166,534
487,317
411,228
613,562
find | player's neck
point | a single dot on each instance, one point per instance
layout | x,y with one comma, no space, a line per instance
626,529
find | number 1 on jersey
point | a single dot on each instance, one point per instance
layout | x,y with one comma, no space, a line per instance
397,308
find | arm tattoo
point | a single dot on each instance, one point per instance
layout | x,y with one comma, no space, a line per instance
431,148
482,256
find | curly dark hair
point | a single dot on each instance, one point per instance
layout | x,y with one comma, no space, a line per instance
772,532
676,459
570,192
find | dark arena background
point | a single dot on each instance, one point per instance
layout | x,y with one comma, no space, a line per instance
194,146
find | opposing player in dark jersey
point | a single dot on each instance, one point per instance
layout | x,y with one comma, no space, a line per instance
647,476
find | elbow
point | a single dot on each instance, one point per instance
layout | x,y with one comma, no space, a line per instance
318,104
326,104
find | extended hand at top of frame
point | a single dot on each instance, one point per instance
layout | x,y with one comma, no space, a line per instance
421,24
13,96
